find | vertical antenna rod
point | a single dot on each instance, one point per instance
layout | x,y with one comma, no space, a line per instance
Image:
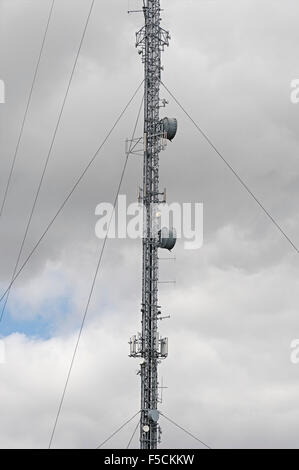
148,345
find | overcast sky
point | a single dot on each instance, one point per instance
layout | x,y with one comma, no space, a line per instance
234,308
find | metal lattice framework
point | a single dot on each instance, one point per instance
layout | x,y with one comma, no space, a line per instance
148,346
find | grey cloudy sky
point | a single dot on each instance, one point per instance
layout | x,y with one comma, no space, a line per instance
234,309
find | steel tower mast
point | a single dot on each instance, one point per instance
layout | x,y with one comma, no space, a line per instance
148,345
